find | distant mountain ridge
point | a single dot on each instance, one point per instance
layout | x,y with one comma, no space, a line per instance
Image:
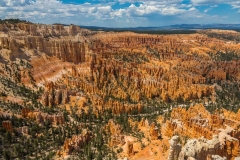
170,27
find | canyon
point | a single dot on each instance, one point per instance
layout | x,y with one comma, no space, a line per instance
94,94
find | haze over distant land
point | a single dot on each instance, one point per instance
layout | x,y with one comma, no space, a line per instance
123,13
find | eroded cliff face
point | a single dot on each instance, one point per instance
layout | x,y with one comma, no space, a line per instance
24,40
138,67
40,117
208,134
75,142
192,133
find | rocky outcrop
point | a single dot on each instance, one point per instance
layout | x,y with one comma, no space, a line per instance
114,128
56,30
55,95
208,149
210,134
7,125
153,131
116,133
22,130
222,145
76,142
25,111
129,148
44,117
144,123
40,117
74,30
200,148
175,148
56,40
216,157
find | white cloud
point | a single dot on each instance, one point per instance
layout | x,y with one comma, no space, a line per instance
210,2
164,8
103,10
102,14
10,3
192,9
234,3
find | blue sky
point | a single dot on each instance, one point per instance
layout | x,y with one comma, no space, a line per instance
123,13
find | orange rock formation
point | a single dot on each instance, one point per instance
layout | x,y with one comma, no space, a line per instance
41,117
7,125
221,131
77,141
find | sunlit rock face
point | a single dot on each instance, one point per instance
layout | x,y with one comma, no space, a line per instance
208,134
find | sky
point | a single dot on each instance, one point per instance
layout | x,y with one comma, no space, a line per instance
123,13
